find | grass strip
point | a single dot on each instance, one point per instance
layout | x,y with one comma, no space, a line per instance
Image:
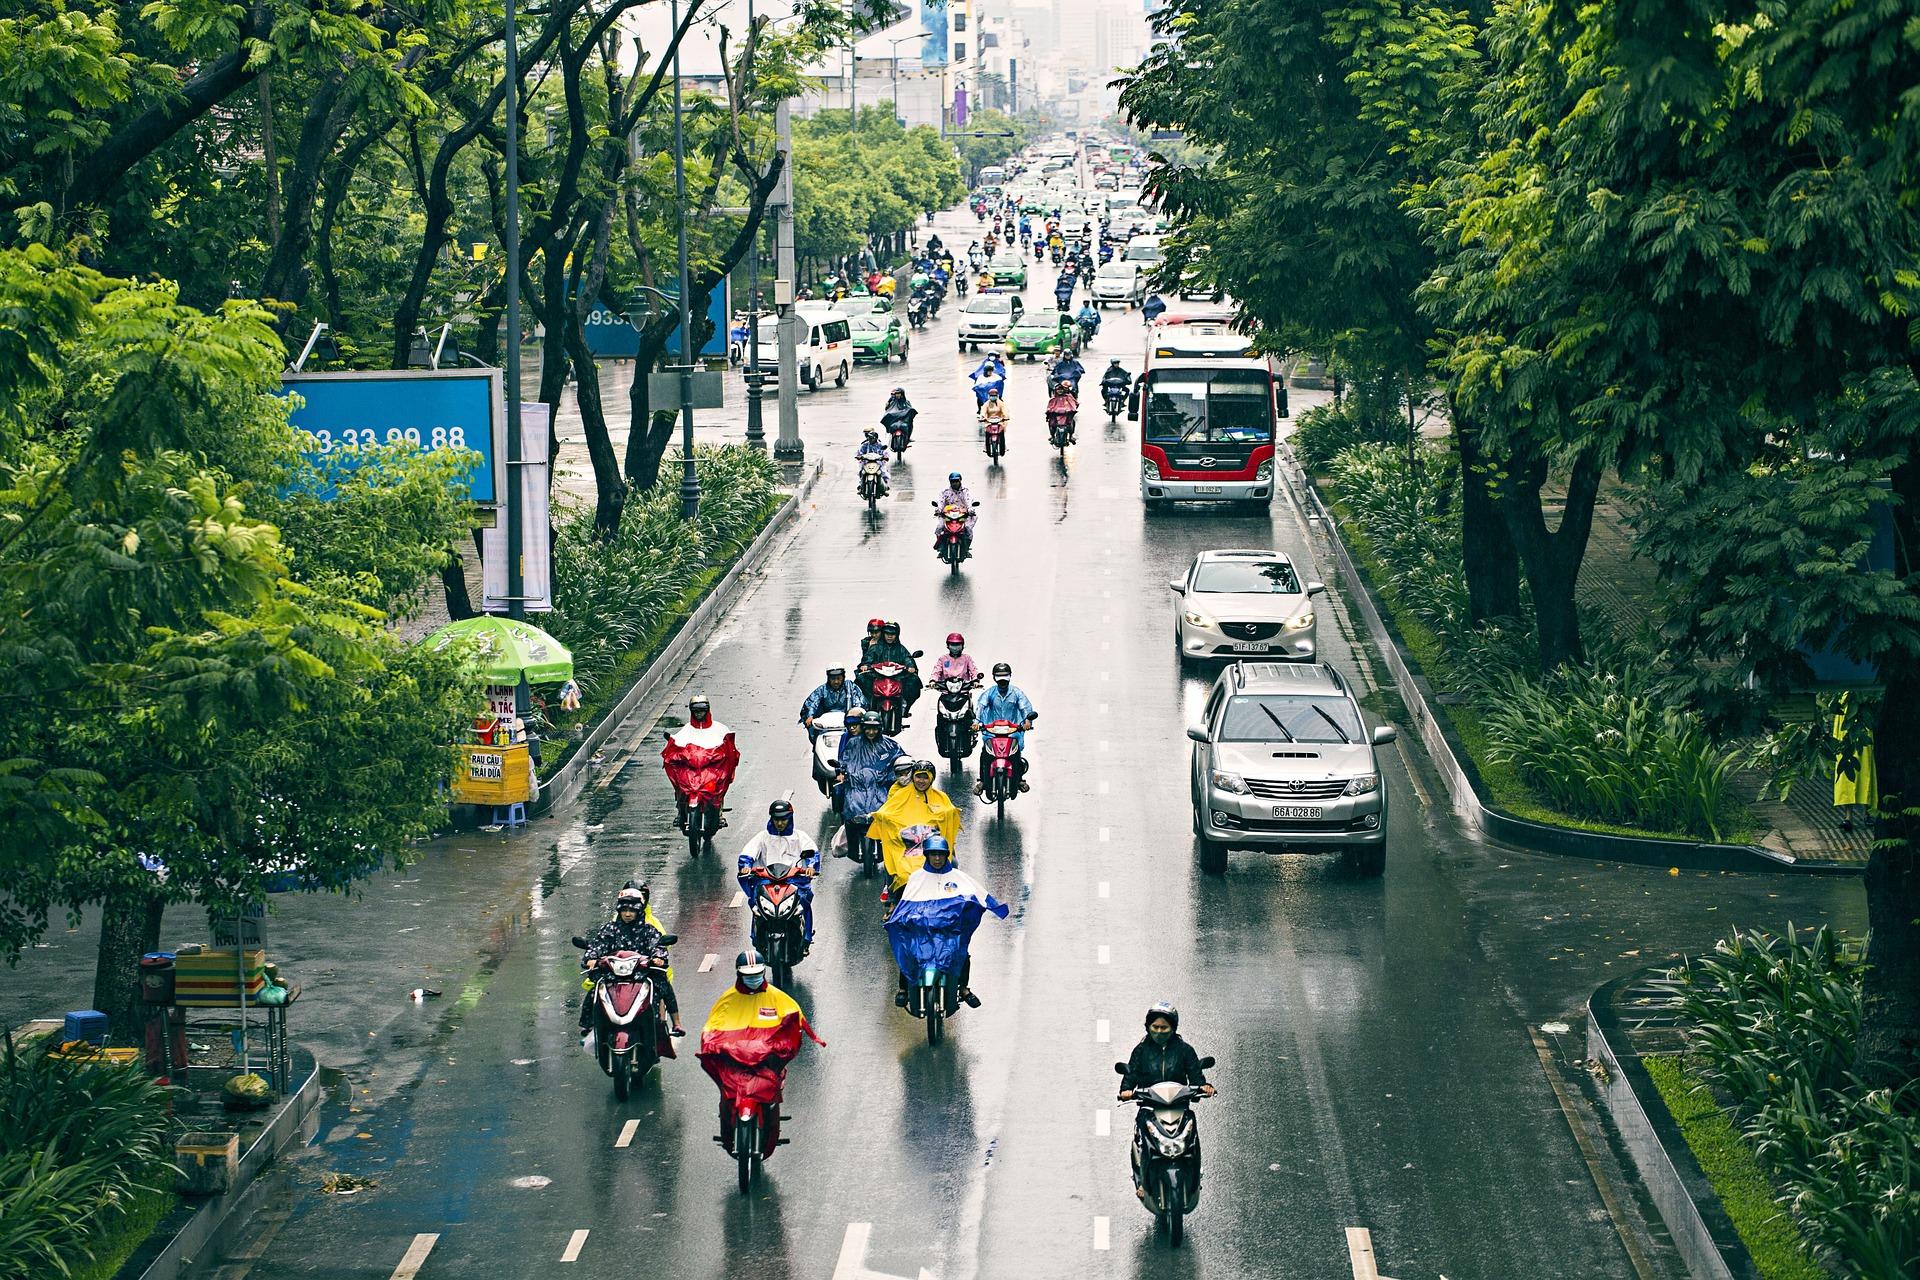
121,1234
1771,1236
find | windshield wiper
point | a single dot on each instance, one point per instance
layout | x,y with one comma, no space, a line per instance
1322,713
1268,712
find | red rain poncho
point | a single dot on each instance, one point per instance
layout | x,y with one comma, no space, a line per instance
749,1039
700,761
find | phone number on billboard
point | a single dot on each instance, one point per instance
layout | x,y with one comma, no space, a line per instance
325,441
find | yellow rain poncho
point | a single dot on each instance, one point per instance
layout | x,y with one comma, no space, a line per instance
905,808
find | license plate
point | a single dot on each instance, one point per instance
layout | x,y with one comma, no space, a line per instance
1251,646
1208,488
1307,812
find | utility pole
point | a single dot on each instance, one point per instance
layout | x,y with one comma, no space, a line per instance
787,448
516,582
689,480
756,431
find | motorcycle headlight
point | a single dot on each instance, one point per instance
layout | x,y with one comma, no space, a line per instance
1363,785
1149,469
1170,1148
1232,783
1266,470
1302,621
1196,619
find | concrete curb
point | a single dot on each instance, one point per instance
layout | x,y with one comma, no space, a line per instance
1463,785
1701,1231
693,630
199,1227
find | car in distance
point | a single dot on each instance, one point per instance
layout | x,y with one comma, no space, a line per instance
1284,763
1121,283
987,317
1234,603
1008,269
1035,334
878,339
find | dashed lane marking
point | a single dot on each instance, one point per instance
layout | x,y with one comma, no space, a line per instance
708,961
1102,1122
1102,954
1106,834
1102,1031
1102,1233
739,898
575,1243
1103,889
627,1131
1105,786
415,1256
1360,1250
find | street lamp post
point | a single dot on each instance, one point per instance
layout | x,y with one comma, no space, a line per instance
689,480
516,586
756,430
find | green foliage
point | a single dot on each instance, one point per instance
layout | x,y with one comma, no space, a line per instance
1769,1234
81,1147
1331,428
1777,1027
848,191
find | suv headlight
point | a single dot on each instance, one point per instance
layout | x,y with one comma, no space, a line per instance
1365,784
1149,469
1302,621
1231,783
1195,619
1266,470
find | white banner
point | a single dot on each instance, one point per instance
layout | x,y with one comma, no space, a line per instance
536,561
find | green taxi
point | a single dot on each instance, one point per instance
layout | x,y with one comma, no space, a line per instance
1035,334
877,339
1008,268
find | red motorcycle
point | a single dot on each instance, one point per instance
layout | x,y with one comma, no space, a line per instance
952,544
700,760
779,934
887,695
996,438
1001,780
631,1030
1062,411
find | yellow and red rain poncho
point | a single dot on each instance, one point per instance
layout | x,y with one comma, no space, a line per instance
905,809
749,1039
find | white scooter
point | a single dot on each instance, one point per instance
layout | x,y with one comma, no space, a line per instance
829,727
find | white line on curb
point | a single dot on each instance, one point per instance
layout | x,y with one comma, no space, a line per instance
416,1256
627,1131
574,1245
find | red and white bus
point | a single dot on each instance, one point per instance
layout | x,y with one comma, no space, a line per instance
1207,411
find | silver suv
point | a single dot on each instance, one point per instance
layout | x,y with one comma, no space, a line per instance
1283,762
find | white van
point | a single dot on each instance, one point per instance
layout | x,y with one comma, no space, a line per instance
823,344
1144,250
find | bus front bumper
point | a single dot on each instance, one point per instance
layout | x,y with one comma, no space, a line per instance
1183,490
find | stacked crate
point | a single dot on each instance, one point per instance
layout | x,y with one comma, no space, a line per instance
214,978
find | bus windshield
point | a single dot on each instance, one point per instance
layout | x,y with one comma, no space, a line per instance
1195,406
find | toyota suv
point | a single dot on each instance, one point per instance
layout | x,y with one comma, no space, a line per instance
1284,763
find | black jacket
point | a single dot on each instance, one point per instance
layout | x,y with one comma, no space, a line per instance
1153,1064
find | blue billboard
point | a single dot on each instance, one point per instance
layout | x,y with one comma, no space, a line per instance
613,333
427,408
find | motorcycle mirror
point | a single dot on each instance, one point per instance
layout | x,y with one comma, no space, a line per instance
1205,1063
976,504
834,763
579,942
1119,1068
668,939
919,653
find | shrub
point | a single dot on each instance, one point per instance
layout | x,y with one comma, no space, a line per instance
80,1145
1329,429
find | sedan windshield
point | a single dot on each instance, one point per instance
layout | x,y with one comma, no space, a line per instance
998,304
1040,320
1284,717
1247,577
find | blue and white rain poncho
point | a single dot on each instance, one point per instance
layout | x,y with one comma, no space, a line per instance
934,918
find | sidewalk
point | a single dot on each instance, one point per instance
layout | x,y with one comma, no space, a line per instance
1619,586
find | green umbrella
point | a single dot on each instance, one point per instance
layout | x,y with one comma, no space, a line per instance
508,651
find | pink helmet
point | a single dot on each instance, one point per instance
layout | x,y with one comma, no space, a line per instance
956,638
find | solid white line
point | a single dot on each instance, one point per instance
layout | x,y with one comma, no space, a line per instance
1106,834
853,1252
1104,889
1360,1250
627,1131
574,1245
708,961
1102,1031
1101,1230
1102,1122
1103,954
739,898
416,1256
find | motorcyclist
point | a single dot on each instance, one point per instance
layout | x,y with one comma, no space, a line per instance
1161,1056
956,494
913,803
872,637
752,1033
994,410
899,409
782,842
1069,370
1004,700
1153,308
1088,318
874,449
923,927
954,662
1063,406
889,649
985,282
700,759
629,930
934,246
976,255
1063,290
1116,379
866,771
989,379
835,695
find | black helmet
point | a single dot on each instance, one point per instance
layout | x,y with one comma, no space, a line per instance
889,626
1002,669
780,809
923,767
750,970
1164,1009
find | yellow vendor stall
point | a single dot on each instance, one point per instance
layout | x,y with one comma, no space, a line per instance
497,766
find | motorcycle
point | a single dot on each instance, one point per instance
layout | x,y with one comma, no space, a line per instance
899,433
1166,1150
1088,327
996,439
829,727
887,681
873,485
1060,427
934,996
1114,397
1058,254
960,284
917,309
630,1030
1002,780
953,529
1039,251
954,735
778,918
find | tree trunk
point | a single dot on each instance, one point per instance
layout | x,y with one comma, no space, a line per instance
1552,557
1491,564
1891,1031
270,154
453,581
321,128
610,491
129,928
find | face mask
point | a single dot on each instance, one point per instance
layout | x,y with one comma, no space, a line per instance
753,982
954,649
1004,684
1160,1037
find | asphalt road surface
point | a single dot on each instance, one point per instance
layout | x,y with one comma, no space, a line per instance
1376,1062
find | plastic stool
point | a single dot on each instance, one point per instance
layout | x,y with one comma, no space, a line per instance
512,815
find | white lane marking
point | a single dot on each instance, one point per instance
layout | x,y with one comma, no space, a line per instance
627,1131
1103,954
1106,675
1413,775
1102,1122
708,961
1102,1031
1103,708
1105,786
1360,1250
416,1256
1106,834
739,898
1102,1230
577,1242
1103,744
1103,889
853,1252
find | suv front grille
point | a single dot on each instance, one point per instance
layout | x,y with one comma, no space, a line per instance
1315,789
1251,630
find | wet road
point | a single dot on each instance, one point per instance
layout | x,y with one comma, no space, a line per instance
1376,1068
